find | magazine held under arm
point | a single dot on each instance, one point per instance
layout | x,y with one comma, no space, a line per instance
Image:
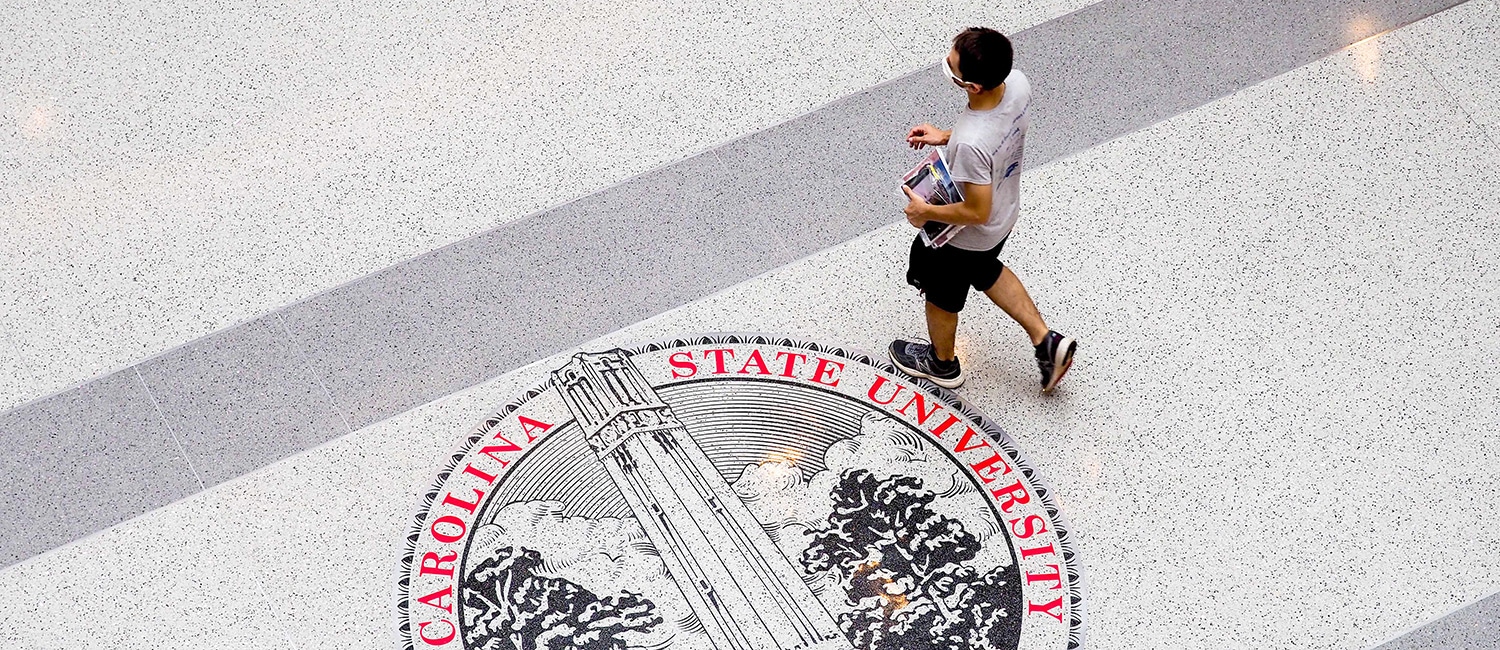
930,180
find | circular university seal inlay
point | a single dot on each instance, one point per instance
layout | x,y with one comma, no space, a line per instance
738,493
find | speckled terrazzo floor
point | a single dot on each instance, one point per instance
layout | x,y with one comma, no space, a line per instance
183,170
257,392
1280,434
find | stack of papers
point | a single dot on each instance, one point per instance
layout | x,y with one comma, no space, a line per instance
930,180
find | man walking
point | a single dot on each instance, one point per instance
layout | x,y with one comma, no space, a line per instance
984,159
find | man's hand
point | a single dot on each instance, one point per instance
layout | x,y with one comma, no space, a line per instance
974,210
922,135
916,208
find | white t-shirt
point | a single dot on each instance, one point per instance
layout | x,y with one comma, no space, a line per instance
985,149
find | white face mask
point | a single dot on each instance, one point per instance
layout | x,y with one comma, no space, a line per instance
949,69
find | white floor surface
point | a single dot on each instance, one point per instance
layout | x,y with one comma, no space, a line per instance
1280,431
189,167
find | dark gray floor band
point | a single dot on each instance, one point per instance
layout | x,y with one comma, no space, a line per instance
127,443
1475,627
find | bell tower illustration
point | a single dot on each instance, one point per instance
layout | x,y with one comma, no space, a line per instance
742,589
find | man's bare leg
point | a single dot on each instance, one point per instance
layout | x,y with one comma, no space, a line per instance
1054,352
942,328
1010,296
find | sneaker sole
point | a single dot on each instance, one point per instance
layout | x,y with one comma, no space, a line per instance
1066,350
945,383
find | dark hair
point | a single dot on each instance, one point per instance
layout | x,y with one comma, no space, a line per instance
984,56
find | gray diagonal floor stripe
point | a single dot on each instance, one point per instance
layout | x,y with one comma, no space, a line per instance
1473,627
250,395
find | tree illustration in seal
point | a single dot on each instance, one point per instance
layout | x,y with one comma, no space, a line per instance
905,570
509,604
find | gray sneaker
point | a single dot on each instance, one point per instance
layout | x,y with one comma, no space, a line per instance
918,360
1053,357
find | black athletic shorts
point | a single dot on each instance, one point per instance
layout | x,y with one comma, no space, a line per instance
945,274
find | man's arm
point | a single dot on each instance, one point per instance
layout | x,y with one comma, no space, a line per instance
974,210
922,135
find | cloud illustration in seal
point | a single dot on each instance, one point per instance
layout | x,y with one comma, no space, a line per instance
605,556
787,503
